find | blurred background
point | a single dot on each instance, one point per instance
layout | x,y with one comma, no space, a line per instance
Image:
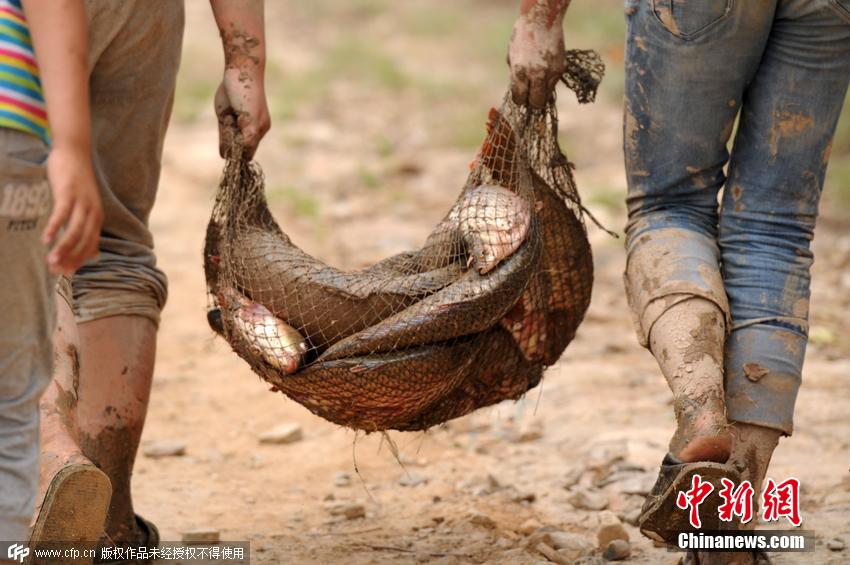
377,108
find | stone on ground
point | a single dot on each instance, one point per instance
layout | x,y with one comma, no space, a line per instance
610,529
201,535
617,550
588,500
165,448
282,434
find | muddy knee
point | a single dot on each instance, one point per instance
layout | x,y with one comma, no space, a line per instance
667,267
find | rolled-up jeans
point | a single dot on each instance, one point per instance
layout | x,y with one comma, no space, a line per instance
781,68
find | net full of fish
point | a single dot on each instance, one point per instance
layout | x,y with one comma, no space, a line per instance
473,317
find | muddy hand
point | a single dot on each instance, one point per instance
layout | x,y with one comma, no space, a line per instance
536,52
242,92
241,100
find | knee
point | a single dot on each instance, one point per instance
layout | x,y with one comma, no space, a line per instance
666,267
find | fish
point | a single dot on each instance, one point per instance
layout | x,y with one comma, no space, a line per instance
566,267
486,225
496,227
472,304
526,320
493,223
326,304
496,371
329,305
274,341
377,392
565,275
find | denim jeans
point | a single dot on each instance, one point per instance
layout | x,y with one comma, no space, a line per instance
781,67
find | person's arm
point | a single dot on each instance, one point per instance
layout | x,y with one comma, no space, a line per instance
242,93
60,40
536,53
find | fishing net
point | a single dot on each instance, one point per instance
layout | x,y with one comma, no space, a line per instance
470,319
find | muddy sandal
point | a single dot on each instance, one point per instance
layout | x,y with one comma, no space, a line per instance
760,557
74,508
151,532
152,540
662,520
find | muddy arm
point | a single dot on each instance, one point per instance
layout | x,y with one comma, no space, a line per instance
536,53
242,92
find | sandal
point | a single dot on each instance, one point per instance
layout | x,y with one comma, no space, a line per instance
760,557
152,539
74,508
662,520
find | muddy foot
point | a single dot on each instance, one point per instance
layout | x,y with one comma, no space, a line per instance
702,433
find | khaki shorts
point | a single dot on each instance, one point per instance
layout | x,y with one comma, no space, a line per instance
135,50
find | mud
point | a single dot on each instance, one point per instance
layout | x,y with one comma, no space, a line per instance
755,372
545,13
113,450
787,124
651,287
665,14
737,192
688,341
239,47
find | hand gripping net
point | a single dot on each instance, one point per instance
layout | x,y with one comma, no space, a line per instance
472,318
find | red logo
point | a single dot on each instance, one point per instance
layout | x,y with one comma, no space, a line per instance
782,499
736,501
778,500
691,499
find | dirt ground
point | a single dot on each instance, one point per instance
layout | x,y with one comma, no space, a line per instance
377,110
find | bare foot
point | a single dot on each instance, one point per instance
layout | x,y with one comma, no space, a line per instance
702,433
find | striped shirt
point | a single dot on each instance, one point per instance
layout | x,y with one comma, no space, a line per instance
21,98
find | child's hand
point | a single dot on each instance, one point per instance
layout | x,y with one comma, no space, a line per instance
76,206
242,95
536,54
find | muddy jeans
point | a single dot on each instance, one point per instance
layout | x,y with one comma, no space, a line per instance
692,67
28,317
134,56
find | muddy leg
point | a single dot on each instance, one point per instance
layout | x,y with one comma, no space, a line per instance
115,380
752,449
59,441
687,341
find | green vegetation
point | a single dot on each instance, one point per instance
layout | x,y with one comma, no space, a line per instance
466,130
348,59
432,20
195,88
609,198
369,178
837,188
299,203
